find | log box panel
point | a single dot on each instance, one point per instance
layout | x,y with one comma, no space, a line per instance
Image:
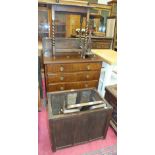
79,128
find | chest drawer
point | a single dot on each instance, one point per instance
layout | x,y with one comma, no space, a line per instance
72,85
74,67
73,77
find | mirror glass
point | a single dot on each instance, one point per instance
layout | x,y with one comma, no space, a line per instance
43,26
67,25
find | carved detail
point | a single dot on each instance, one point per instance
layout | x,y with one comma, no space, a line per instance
81,21
53,36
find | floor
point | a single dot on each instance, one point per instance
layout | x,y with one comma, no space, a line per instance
90,148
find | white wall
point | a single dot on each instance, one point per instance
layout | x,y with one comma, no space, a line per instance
103,1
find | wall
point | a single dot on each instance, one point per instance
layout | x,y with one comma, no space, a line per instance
103,1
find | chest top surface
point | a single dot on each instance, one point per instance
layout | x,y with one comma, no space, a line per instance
71,59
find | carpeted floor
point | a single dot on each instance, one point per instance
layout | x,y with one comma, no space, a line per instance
98,147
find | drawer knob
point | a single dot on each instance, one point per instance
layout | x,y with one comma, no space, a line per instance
87,76
61,88
61,68
88,67
61,78
86,85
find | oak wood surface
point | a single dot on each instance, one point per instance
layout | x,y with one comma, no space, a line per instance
109,56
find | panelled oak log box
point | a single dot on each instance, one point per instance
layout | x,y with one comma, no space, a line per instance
89,121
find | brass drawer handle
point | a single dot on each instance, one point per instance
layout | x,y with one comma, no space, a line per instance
88,67
61,68
86,85
87,76
61,78
61,88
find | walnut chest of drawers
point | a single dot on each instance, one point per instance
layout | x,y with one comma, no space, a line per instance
71,72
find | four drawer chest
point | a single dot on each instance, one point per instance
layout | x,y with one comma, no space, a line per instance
71,72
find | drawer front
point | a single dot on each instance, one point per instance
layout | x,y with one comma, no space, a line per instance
72,85
74,67
73,77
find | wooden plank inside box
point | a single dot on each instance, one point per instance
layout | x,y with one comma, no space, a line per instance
77,127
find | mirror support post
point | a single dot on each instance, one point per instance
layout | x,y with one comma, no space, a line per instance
53,30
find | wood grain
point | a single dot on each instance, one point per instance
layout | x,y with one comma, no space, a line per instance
71,59
111,97
73,77
76,128
72,85
55,68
